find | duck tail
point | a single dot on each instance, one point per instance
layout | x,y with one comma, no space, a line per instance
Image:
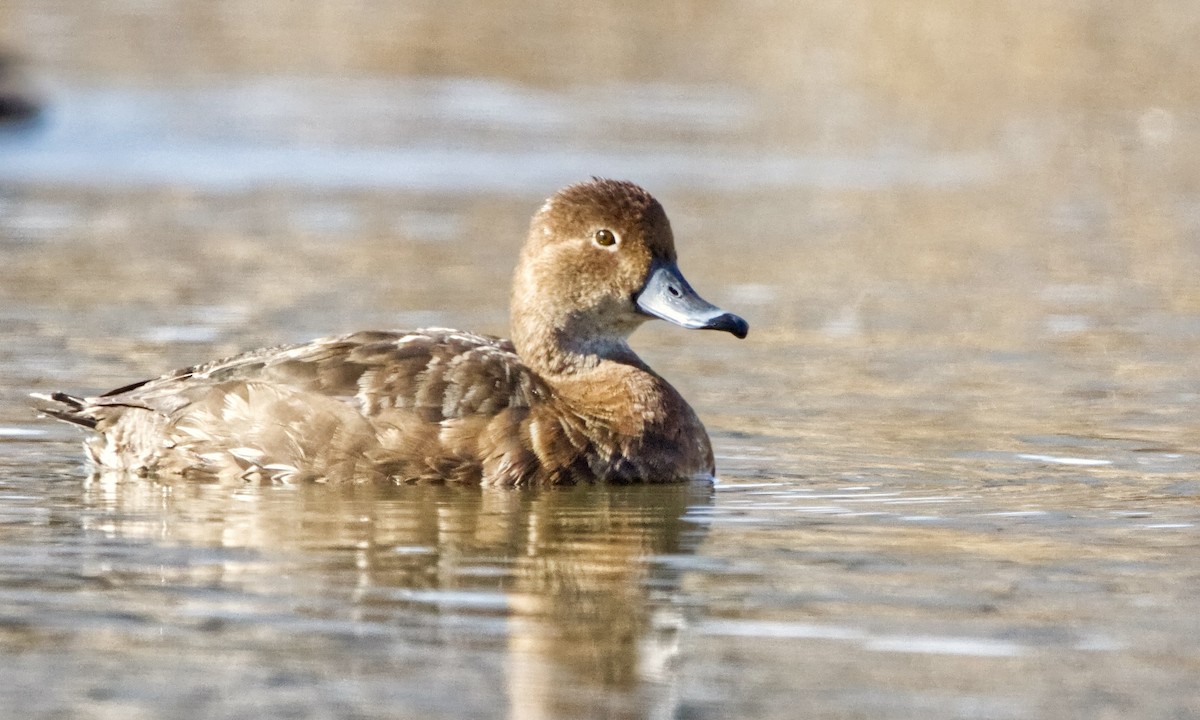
71,410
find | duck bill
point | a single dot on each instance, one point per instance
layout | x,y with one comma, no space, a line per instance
667,295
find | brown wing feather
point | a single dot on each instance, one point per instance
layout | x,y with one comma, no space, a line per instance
433,404
441,374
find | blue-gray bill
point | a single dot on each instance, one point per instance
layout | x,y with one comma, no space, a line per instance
668,295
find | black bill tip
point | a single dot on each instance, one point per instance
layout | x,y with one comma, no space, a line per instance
730,323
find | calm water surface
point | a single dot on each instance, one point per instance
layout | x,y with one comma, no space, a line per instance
958,451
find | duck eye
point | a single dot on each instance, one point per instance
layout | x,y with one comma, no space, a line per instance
605,238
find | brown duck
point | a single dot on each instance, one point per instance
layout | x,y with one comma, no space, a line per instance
566,400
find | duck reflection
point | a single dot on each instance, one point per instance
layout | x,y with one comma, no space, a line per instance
573,588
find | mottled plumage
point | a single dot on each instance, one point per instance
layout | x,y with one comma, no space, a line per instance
566,401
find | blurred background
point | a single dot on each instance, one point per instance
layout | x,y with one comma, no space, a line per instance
864,181
958,448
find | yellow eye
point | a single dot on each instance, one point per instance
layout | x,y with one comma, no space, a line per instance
605,238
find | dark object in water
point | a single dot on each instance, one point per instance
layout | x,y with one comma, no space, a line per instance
18,101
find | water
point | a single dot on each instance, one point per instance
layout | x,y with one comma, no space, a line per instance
958,451
459,137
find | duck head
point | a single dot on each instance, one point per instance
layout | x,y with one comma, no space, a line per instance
599,261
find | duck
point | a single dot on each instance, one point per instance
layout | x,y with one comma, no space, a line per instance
565,400
18,102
